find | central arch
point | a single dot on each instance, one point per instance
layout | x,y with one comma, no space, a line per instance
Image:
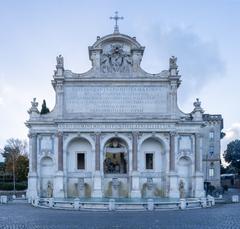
116,157
116,167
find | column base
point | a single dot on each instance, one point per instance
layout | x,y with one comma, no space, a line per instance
173,185
97,185
58,185
32,186
199,189
135,191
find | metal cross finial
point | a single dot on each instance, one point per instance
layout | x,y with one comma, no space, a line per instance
116,18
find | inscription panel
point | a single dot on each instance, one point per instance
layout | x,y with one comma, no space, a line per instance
116,100
114,126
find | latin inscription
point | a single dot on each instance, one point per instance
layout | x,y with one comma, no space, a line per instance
115,126
117,100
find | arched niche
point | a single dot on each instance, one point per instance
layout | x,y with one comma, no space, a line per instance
152,155
184,169
79,155
46,174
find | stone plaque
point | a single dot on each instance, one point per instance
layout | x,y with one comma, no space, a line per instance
116,100
46,144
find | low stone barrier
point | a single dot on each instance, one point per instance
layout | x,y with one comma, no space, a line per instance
35,201
183,204
204,202
150,204
51,202
10,194
112,205
210,200
3,199
235,198
76,204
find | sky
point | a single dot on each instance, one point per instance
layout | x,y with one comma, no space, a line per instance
203,34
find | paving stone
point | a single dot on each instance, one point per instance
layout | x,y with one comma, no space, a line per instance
24,216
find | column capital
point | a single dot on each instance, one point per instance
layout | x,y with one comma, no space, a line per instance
135,133
32,135
198,135
59,134
173,133
97,133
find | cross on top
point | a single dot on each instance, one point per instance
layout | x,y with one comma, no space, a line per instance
116,18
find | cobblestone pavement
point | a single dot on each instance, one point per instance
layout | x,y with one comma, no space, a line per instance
24,216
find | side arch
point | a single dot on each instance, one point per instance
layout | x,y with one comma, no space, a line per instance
185,172
162,139
46,176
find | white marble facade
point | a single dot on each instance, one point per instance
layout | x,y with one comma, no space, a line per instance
117,131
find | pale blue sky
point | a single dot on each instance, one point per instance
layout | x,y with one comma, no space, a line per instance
203,34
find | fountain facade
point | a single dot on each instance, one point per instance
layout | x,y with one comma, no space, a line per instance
117,131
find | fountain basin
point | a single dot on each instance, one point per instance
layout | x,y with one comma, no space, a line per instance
139,204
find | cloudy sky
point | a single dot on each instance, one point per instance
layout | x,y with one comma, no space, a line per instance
203,34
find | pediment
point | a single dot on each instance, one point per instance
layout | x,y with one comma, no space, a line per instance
116,54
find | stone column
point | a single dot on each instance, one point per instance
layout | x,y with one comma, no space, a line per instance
97,152
59,97
60,151
134,151
173,177
197,153
173,100
34,152
59,177
199,189
97,179
135,189
32,191
172,152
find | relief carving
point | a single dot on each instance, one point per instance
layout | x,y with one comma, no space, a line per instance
46,145
185,146
116,60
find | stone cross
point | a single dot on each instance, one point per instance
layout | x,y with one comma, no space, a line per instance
116,18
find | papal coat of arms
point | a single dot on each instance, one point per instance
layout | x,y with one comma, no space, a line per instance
116,60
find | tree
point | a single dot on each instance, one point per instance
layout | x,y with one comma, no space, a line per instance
16,162
22,167
232,155
44,110
2,167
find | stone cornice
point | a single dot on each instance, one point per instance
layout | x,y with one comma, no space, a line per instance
126,79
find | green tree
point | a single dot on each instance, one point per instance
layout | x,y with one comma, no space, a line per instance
44,110
15,155
2,167
22,167
232,155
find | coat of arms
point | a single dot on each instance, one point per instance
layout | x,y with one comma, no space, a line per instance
116,60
